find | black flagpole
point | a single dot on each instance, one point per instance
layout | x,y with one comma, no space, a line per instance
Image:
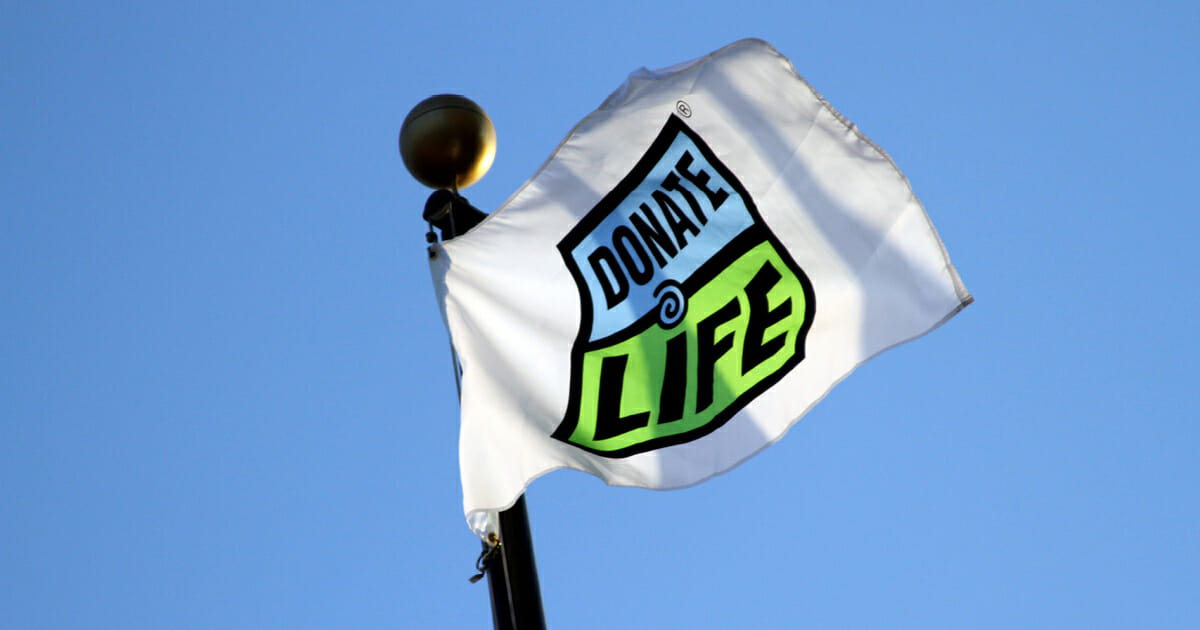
519,569
511,571
447,143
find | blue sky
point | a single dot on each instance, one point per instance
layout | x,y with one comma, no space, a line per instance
225,388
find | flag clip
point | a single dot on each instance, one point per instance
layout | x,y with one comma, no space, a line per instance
490,549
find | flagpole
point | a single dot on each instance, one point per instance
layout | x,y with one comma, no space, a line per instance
520,570
447,143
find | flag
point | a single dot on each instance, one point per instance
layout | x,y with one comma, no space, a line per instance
698,263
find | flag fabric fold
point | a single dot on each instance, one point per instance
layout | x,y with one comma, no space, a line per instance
698,263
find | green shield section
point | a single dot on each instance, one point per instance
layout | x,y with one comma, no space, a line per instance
742,331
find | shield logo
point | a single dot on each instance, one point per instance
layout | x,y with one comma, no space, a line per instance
690,306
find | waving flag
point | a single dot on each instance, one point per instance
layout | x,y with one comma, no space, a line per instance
697,264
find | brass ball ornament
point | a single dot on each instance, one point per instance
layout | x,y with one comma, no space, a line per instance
447,142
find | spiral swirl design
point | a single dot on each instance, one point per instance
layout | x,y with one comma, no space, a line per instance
672,303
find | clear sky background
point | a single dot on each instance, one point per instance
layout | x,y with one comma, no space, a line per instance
226,398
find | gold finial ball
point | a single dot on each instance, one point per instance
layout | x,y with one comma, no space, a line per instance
447,141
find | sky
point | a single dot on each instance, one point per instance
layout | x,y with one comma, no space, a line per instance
226,397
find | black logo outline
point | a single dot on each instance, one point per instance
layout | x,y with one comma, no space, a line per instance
756,233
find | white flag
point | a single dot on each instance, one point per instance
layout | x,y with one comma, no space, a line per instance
697,264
